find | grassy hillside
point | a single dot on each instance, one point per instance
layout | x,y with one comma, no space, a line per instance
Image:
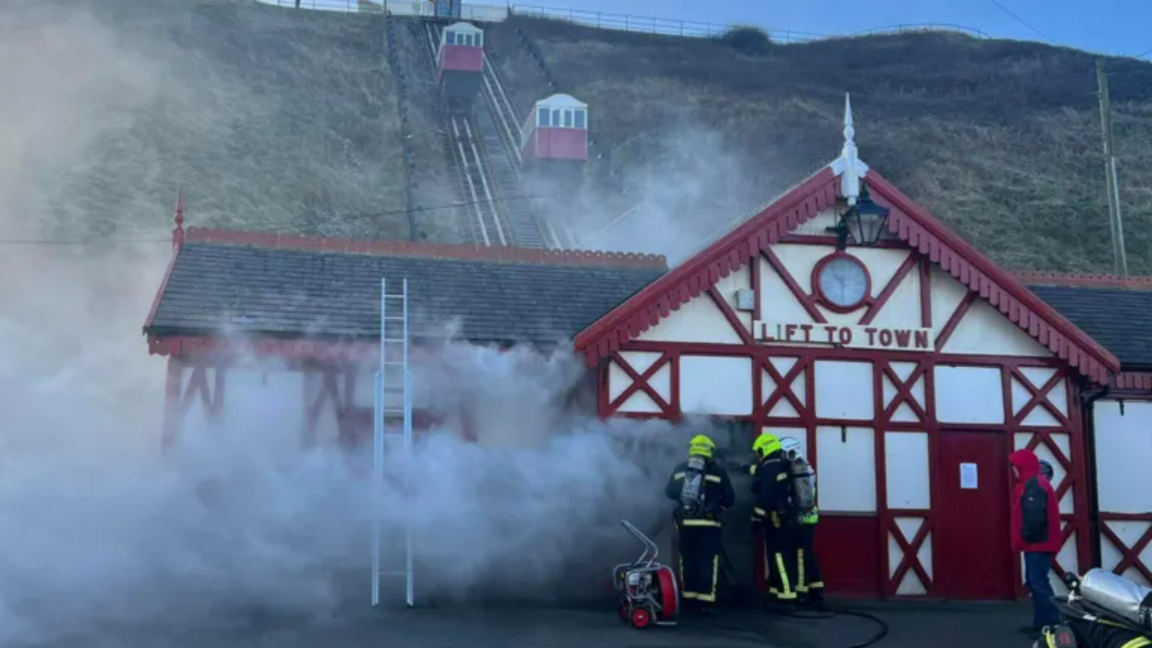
270,118
1001,139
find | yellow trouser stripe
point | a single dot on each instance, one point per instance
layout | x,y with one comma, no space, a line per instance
711,596
1138,642
702,523
787,593
800,586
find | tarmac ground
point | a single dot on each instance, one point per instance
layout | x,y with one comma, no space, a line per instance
935,625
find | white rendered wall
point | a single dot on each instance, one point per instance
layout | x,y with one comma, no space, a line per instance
716,385
847,465
1123,443
698,320
969,394
985,331
844,390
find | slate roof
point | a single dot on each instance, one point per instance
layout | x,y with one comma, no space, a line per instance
1115,317
293,292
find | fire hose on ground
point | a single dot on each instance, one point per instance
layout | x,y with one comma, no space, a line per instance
745,632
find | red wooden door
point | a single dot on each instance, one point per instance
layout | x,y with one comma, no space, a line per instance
973,556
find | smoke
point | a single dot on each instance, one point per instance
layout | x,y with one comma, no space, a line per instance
99,530
670,190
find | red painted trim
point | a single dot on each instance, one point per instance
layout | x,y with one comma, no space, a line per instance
754,283
925,293
640,382
835,353
176,247
954,320
1037,278
384,247
903,394
910,560
804,298
1082,465
730,315
290,349
725,255
782,386
775,388
1129,556
890,288
908,221
1038,396
912,223
818,292
830,241
1132,380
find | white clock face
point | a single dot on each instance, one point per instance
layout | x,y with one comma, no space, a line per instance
844,282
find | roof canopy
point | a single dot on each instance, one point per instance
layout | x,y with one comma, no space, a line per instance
907,220
1115,314
561,101
257,285
463,27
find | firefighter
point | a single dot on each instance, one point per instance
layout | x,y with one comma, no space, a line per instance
702,490
809,580
774,513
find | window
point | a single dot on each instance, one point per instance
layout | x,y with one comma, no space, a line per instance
543,121
567,119
580,119
451,38
479,40
556,117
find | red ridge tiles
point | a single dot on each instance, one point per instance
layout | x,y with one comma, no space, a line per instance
385,247
1038,278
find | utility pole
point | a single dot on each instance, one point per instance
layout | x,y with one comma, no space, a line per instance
1113,185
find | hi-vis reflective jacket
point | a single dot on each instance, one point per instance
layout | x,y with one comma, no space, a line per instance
718,492
772,487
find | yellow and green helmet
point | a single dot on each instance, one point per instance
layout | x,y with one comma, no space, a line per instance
766,444
701,445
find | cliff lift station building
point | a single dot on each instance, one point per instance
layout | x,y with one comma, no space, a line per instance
843,314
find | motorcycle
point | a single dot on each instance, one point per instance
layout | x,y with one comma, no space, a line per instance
1101,610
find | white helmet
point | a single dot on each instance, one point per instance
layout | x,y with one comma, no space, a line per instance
791,447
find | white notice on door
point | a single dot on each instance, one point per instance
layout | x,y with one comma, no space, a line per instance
968,475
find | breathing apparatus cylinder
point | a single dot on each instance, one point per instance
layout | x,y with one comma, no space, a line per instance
700,449
1118,595
692,493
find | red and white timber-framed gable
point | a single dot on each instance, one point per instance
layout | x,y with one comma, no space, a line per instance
908,400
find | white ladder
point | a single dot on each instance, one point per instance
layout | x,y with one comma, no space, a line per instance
393,370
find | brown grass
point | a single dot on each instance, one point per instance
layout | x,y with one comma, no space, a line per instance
1001,139
270,118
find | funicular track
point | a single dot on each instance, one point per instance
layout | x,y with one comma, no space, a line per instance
506,99
500,125
465,149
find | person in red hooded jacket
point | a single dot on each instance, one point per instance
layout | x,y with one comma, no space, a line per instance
1036,533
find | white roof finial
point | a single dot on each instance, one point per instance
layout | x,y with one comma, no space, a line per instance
849,132
849,166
